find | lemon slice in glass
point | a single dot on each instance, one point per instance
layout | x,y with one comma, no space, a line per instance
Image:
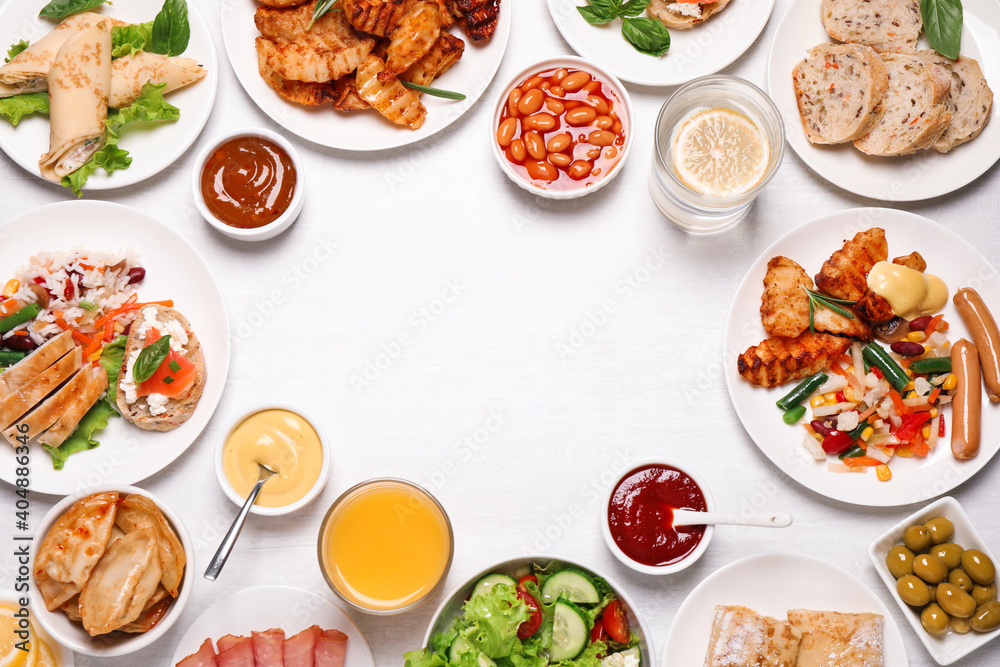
720,153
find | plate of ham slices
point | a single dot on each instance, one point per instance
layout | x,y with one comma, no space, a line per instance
266,626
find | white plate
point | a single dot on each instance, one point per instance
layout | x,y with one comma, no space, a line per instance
702,50
771,584
951,646
948,256
64,656
174,270
362,130
153,149
264,607
924,174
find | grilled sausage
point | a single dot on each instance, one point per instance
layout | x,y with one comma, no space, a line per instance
983,328
968,400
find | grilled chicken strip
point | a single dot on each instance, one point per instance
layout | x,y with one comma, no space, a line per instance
478,17
775,361
393,100
376,17
845,274
446,52
416,33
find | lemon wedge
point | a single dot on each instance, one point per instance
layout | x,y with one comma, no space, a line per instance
720,153
10,655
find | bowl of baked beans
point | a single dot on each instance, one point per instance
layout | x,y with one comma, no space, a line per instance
562,127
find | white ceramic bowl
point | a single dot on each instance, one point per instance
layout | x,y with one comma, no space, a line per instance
688,560
625,111
951,646
70,633
271,229
236,420
451,607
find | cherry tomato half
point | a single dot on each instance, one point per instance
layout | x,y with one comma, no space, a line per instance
615,622
597,633
837,442
534,621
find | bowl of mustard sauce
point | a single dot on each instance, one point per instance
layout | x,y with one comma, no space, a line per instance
284,438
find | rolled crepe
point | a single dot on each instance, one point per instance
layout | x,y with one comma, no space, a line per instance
130,73
79,85
26,73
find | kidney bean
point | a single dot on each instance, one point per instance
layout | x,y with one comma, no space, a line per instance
907,348
920,323
20,343
136,275
820,427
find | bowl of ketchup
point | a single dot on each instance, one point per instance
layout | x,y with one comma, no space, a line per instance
248,184
637,520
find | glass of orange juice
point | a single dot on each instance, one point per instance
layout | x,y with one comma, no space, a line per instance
385,545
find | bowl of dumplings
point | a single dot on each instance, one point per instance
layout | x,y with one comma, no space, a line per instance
109,574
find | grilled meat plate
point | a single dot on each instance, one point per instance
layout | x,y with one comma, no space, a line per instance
329,50
845,274
478,17
775,361
446,52
784,306
393,100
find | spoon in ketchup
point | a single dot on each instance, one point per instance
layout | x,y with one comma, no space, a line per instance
691,518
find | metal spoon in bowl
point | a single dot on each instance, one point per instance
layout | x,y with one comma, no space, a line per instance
219,559
692,518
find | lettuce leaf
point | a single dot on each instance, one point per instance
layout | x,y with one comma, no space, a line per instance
589,657
16,49
490,621
81,439
423,658
18,106
112,357
127,40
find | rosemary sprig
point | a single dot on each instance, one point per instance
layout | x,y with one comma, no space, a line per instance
436,92
822,300
323,7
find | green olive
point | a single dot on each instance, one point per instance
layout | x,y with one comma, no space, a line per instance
987,617
931,568
984,594
960,579
941,529
955,601
899,560
960,625
917,538
934,620
913,591
949,552
978,566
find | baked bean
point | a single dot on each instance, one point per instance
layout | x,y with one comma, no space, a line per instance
613,114
617,127
546,85
512,101
506,132
534,145
542,171
604,123
557,91
594,153
601,138
559,142
533,82
598,103
579,170
517,150
575,81
543,122
572,104
596,172
560,159
611,153
593,87
555,106
531,102
580,116
559,74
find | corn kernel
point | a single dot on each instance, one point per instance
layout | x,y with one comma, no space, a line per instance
912,394
867,433
934,413
94,356
904,452
817,401
818,437
830,399
908,387
849,393
915,336
926,432
11,287
883,472
950,382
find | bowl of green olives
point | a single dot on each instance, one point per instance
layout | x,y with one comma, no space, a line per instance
943,577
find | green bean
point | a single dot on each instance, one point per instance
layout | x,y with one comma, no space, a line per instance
859,429
794,415
876,355
802,391
11,357
933,365
852,453
25,314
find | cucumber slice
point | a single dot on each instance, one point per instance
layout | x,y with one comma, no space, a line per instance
573,585
484,585
462,645
570,631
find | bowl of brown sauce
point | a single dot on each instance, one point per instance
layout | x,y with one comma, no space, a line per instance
248,184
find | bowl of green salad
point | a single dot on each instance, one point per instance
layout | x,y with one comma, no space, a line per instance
541,610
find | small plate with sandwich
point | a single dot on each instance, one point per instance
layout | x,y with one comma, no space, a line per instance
111,360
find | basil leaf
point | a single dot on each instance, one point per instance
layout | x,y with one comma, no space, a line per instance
171,30
634,7
60,9
648,36
16,49
150,359
595,15
943,25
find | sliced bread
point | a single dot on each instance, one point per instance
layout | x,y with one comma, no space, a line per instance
970,100
839,90
888,26
916,109
684,15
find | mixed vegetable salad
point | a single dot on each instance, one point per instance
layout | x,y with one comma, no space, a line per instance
549,615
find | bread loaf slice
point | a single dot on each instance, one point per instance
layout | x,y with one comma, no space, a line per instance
916,110
176,411
684,15
970,100
839,90
888,26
